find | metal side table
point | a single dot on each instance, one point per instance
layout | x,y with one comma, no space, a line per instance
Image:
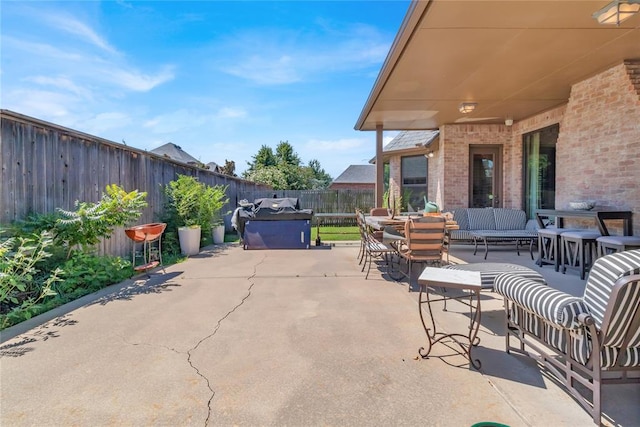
470,285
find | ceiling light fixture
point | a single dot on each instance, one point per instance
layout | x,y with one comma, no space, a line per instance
617,11
467,107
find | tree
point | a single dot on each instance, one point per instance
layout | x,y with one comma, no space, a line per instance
269,175
264,158
229,168
284,170
320,178
286,155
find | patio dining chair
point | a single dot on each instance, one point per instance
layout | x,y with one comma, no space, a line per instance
424,242
373,249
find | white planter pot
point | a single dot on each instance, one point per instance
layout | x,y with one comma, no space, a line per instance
218,234
189,240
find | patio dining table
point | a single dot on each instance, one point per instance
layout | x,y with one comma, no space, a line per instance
380,222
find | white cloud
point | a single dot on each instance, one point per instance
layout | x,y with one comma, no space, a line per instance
265,70
231,113
135,80
61,83
104,122
75,27
43,104
183,119
274,57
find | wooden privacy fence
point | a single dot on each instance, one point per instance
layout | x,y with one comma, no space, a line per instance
323,201
45,166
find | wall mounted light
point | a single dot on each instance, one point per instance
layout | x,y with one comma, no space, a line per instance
429,154
508,122
617,11
467,107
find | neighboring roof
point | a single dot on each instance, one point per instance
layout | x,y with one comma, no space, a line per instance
515,59
214,167
411,140
407,141
357,174
176,153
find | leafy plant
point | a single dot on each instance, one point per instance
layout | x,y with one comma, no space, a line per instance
92,272
90,222
183,196
213,200
19,288
195,203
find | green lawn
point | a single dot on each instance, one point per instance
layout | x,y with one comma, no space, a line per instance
336,233
327,234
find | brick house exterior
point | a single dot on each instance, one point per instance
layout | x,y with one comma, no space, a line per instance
598,148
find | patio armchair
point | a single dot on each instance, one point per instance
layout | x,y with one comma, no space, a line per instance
590,340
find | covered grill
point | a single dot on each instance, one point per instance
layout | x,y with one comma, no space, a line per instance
274,224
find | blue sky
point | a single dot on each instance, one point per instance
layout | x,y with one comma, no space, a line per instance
218,78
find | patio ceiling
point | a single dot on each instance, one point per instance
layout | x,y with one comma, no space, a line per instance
513,58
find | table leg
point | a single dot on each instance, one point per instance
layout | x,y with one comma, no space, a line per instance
464,342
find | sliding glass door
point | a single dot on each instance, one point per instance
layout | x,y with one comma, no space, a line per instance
539,166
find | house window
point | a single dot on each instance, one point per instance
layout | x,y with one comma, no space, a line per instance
414,182
539,157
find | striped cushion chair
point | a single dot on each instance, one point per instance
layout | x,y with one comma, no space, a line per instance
580,338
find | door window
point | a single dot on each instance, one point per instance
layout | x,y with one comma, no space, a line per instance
414,182
485,176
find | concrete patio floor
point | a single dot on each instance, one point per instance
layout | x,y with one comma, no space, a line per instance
277,337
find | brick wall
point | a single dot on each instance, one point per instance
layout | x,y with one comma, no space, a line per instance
600,140
454,146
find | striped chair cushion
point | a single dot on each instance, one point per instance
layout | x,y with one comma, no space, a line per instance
490,270
510,219
555,306
481,219
603,275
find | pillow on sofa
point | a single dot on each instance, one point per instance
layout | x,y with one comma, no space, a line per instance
460,216
510,219
481,219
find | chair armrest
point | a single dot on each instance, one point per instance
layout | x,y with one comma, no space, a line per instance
550,304
586,319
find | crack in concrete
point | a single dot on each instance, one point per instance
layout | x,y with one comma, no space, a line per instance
212,334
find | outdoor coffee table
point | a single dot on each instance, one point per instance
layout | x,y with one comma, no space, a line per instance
462,285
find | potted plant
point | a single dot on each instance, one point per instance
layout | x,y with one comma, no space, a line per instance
197,206
184,196
212,201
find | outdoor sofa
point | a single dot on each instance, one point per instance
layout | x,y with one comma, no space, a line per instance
584,341
493,225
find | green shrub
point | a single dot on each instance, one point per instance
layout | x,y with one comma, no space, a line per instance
20,289
91,272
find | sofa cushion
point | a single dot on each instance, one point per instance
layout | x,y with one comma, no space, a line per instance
510,219
555,306
481,219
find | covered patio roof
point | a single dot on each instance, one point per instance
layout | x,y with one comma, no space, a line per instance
514,59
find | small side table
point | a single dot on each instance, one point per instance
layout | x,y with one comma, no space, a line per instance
470,283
